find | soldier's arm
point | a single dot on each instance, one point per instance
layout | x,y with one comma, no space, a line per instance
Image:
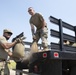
32,29
43,23
7,45
8,52
42,20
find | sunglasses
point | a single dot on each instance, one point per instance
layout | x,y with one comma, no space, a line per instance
9,33
29,10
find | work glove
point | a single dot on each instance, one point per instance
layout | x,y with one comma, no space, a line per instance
18,40
34,37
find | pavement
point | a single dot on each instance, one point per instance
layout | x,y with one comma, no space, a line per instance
12,72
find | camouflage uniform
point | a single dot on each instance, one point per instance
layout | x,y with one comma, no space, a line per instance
3,57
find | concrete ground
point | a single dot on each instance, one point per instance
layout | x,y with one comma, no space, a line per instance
12,72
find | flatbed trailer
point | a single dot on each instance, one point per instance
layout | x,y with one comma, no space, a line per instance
61,58
53,63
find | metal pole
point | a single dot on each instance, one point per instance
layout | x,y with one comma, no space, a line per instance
61,34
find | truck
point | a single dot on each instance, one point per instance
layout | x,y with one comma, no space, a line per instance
60,59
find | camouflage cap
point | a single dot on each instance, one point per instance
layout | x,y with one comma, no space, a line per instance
7,31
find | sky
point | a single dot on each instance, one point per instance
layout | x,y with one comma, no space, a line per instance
14,15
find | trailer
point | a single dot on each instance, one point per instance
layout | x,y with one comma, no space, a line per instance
60,59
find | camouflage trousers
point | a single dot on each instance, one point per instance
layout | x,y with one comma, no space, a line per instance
4,70
43,34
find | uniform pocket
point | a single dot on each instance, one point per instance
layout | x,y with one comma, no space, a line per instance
44,32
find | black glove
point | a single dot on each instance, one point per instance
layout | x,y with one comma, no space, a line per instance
34,37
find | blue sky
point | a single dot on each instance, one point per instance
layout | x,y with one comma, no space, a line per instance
14,15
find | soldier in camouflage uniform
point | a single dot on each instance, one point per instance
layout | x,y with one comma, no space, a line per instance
38,21
4,49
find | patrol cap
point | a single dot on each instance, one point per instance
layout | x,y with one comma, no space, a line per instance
7,31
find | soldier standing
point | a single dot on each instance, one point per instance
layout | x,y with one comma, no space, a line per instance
38,21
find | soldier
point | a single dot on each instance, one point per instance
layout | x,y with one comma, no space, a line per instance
38,21
5,47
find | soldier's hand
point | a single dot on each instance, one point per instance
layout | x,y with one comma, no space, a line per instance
18,40
10,53
34,37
